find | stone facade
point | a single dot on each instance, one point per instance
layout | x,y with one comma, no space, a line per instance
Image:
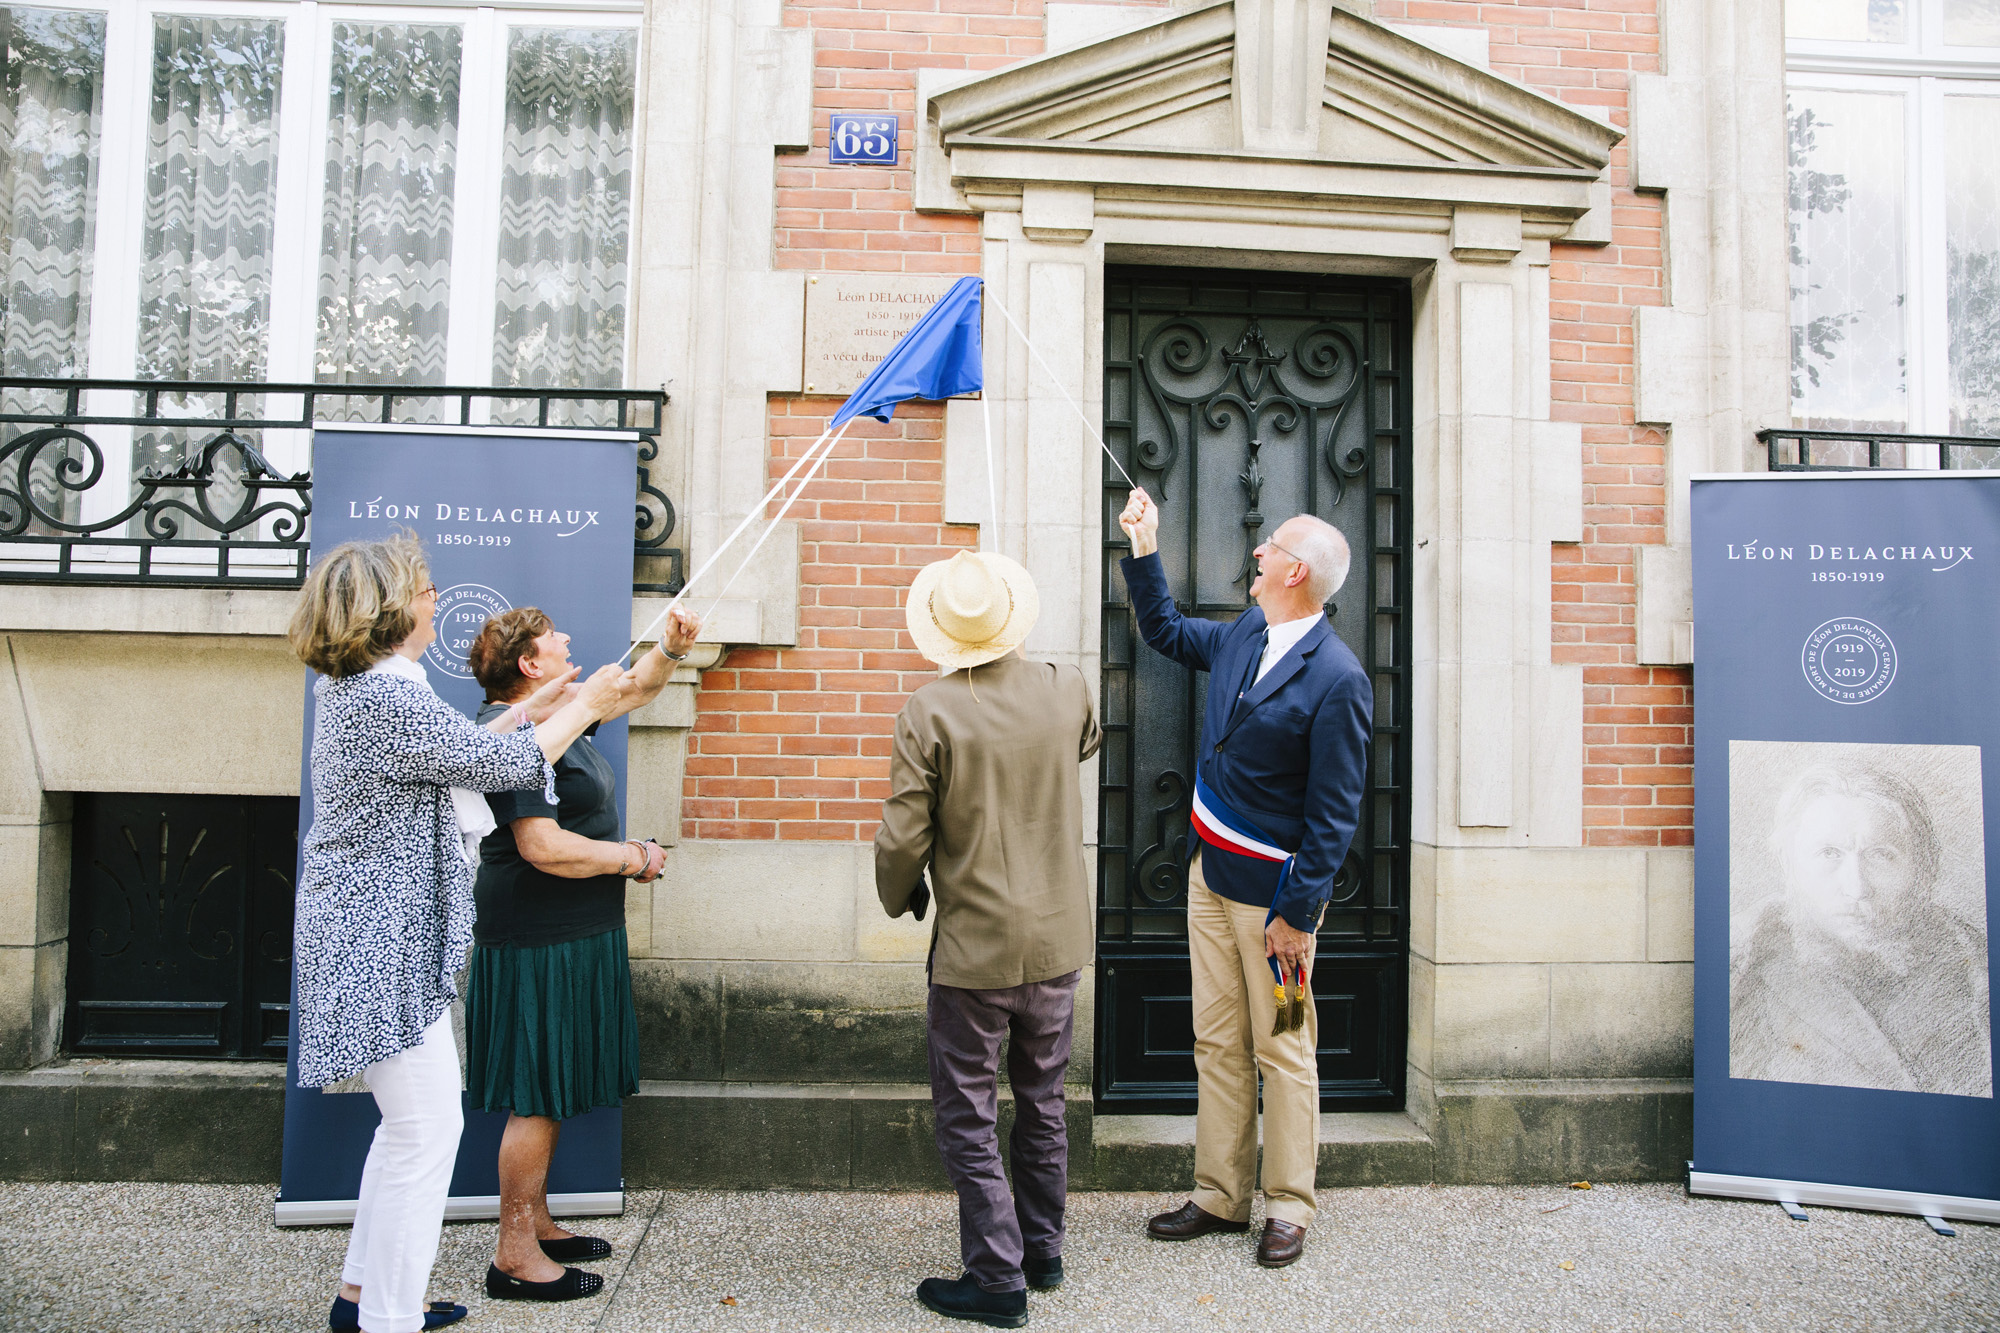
1587,201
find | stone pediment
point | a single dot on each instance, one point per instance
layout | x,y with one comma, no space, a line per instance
1237,76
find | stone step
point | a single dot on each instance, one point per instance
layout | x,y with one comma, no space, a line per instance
222,1122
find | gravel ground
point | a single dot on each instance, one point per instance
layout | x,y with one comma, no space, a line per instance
172,1257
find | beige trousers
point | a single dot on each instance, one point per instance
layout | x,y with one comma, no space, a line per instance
1233,1010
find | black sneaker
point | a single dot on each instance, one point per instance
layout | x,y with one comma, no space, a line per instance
1043,1274
966,1299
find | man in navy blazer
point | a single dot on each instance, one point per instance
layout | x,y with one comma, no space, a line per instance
1279,777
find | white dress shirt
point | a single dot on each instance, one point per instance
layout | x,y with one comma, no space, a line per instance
1281,639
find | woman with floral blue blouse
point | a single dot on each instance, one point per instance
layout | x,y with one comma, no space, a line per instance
384,913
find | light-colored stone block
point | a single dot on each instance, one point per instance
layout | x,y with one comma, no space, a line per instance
1540,905
970,489
163,713
1067,25
1558,481
1670,905
1621,1020
1555,755
931,187
1486,349
1423,900
1061,213
1669,129
1670,351
767,332
1594,227
1665,577
1486,745
878,937
88,610
774,900
31,1003
1280,74
1485,235
1423,1012
655,770
1486,472
1491,1021
34,883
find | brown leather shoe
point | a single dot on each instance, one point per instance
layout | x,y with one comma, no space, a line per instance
1188,1221
1282,1243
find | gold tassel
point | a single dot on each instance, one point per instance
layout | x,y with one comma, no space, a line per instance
1281,1021
1297,1018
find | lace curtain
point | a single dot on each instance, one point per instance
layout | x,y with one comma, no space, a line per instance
211,189
50,115
1848,236
1972,262
385,234
565,215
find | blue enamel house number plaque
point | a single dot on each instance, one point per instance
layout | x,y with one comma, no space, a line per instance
863,139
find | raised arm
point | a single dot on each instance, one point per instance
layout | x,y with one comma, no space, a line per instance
1189,640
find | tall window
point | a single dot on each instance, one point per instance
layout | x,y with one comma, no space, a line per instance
246,190
1893,117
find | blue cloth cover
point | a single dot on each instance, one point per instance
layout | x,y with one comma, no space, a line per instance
938,358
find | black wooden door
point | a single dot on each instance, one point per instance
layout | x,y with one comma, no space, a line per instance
1240,399
181,925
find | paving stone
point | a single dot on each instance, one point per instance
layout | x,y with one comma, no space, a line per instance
206,1257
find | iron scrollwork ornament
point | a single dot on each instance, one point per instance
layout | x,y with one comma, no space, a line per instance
1160,874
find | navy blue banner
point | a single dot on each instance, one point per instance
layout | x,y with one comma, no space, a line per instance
1845,831
507,519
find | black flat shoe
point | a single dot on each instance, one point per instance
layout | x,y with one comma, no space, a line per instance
345,1316
576,1249
966,1299
1043,1274
574,1284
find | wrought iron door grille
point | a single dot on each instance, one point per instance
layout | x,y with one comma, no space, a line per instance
181,925
1238,400
202,504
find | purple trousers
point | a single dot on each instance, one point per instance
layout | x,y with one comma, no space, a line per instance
965,1029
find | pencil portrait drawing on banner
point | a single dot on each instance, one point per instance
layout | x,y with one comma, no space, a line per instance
1857,917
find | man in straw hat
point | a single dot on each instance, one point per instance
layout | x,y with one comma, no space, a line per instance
1278,785
983,790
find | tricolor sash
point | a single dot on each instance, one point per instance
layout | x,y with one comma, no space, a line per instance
1219,826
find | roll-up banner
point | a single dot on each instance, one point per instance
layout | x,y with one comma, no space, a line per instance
508,518
1846,659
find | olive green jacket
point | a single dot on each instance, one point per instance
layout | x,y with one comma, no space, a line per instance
984,790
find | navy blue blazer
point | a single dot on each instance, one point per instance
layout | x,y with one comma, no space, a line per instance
1292,758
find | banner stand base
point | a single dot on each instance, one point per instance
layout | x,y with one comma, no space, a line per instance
464,1208
1843,1196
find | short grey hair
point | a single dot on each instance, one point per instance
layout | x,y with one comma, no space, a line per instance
1323,551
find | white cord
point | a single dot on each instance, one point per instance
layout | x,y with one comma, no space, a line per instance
1081,414
784,509
716,555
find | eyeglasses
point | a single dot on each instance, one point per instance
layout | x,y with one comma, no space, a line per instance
1295,556
432,591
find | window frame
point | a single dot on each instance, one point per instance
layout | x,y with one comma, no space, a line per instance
118,239
1919,72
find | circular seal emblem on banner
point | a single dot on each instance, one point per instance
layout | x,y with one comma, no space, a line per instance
462,609
1849,661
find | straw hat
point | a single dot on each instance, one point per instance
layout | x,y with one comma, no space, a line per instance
971,609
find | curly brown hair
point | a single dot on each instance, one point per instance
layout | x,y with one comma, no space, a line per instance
495,658
356,604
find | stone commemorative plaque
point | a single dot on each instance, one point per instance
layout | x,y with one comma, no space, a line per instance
853,319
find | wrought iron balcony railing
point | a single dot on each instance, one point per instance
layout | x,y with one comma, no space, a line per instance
159,482
1848,451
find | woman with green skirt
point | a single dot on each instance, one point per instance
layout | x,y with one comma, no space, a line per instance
550,1030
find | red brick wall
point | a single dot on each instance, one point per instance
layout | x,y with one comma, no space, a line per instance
1637,739
793,743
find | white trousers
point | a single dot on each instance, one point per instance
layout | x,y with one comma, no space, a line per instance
403,1187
